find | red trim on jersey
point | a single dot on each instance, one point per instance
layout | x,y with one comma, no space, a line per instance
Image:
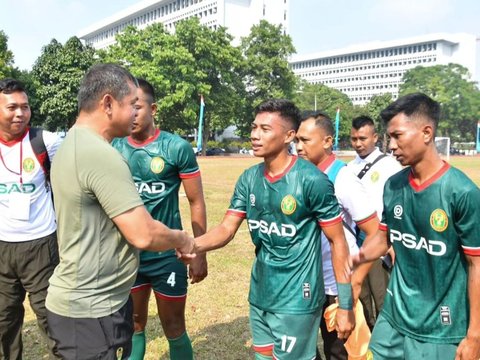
430,181
190,175
140,288
17,140
262,348
325,164
373,216
471,251
171,298
330,222
383,227
237,213
146,142
272,179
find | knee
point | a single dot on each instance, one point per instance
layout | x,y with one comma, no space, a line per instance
173,327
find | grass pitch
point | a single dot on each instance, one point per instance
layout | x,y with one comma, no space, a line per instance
217,308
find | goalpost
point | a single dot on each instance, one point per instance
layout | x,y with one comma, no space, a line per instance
443,147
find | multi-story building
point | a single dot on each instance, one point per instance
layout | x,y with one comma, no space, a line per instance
364,70
236,15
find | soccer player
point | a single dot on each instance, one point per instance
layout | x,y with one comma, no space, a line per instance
160,162
373,168
314,143
431,215
287,201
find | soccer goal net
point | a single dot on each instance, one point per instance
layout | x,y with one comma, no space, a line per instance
443,147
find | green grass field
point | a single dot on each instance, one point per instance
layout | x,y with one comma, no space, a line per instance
217,308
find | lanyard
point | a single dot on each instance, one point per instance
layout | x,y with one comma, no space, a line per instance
21,167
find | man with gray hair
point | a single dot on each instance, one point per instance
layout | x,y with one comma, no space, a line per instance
101,220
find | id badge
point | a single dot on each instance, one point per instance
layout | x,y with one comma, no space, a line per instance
19,204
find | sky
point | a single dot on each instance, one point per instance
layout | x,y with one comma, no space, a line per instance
315,25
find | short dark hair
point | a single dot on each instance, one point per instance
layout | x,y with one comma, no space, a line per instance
147,88
361,121
413,105
322,120
9,85
286,108
103,79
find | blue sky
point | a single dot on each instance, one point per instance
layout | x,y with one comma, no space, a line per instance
315,25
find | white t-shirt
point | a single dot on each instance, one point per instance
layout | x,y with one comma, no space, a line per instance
26,207
374,180
356,208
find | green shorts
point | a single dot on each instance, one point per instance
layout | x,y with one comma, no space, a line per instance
167,276
289,336
388,344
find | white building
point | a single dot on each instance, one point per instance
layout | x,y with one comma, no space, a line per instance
364,70
236,15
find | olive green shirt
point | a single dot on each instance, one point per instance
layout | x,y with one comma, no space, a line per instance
91,185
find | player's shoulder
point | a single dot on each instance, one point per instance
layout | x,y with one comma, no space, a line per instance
399,178
174,140
305,167
457,179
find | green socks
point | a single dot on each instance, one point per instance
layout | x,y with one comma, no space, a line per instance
181,348
138,346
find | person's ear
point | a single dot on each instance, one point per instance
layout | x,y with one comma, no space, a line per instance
106,104
428,133
328,142
291,135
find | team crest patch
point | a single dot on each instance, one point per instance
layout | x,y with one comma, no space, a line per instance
288,205
156,165
375,176
439,220
28,165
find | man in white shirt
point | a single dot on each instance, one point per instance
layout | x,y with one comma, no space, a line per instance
28,242
373,168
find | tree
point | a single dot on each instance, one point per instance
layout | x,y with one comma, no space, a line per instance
192,62
57,74
267,73
458,96
373,109
327,100
6,57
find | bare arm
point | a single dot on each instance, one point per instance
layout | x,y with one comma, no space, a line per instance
142,231
373,248
345,320
220,235
469,347
370,228
198,268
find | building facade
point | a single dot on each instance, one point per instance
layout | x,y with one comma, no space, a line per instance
238,16
365,70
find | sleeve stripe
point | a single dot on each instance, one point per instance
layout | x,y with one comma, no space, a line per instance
190,175
383,227
373,216
330,222
237,213
473,251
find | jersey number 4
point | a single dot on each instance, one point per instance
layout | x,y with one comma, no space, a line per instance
171,280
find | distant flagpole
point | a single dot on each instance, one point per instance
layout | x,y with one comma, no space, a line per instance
337,124
478,137
200,126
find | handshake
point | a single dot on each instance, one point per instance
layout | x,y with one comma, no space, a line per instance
186,251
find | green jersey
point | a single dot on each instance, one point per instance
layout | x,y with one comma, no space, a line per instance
431,227
284,214
158,167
